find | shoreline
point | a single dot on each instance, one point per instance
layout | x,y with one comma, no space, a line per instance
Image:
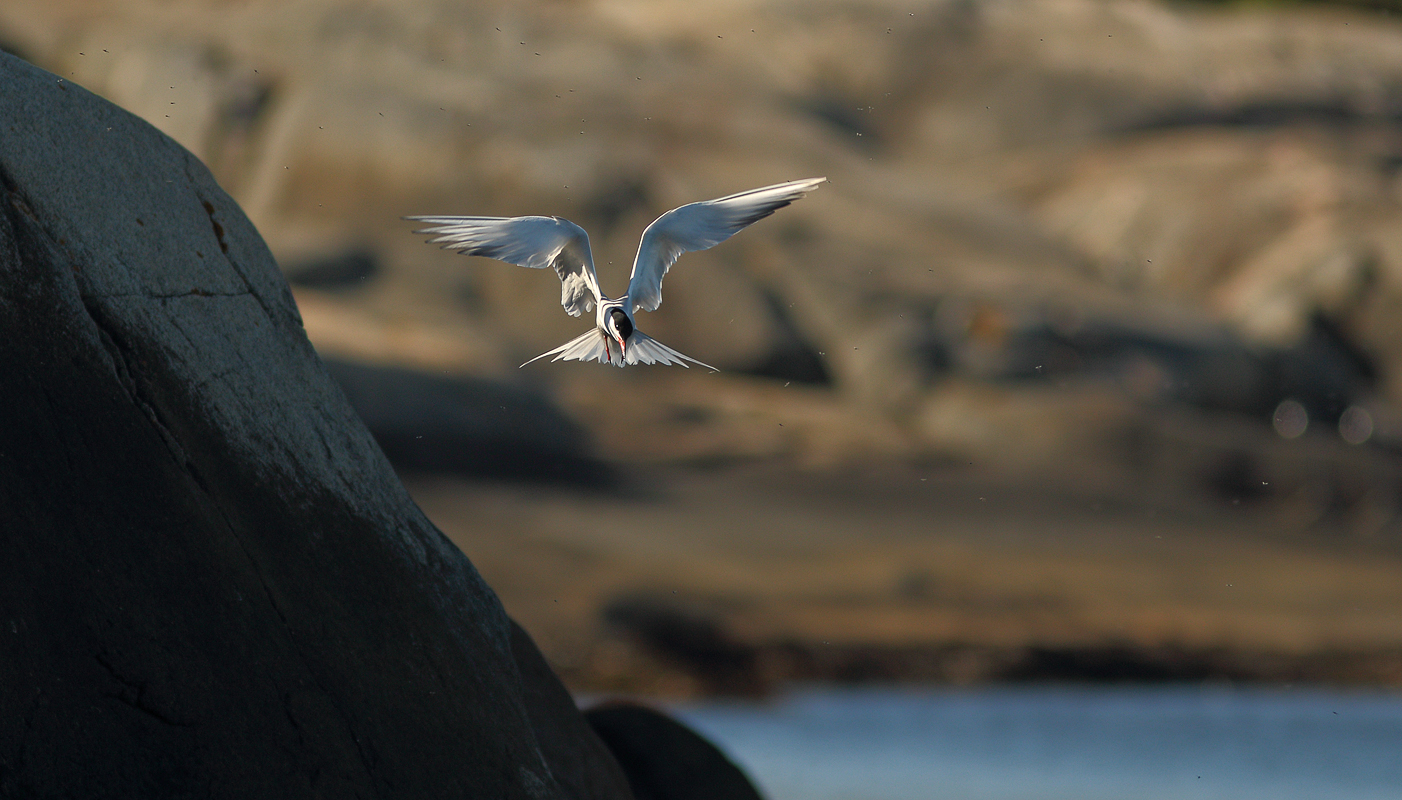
768,671
743,579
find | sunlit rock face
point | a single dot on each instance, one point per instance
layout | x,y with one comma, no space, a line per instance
214,584
1003,176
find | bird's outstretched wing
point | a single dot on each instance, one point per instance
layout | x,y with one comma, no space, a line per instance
535,242
592,345
698,226
648,350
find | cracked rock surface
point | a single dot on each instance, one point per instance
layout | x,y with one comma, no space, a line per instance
212,582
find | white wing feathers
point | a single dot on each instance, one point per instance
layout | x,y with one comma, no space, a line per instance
592,345
535,242
648,350
595,345
698,226
539,242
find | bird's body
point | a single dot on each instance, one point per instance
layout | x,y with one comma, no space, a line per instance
540,242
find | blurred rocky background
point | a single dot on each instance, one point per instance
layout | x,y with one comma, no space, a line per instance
1129,271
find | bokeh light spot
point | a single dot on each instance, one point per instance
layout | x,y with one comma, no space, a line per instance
1291,419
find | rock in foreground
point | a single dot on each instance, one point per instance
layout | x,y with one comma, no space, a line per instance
213,583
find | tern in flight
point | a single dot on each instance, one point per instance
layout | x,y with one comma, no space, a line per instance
540,242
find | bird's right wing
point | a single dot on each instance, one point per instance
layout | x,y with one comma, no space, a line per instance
535,242
592,345
698,226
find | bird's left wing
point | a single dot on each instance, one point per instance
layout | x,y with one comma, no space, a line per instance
535,242
647,350
698,226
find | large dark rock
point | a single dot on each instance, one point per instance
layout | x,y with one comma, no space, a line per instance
212,582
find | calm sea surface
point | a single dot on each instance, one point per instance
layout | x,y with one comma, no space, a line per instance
1064,743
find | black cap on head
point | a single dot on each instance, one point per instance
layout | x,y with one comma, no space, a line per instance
621,323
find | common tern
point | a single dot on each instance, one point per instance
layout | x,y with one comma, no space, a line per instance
540,242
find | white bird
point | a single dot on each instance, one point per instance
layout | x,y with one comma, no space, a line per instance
540,242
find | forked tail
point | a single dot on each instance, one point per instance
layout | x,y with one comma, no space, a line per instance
595,345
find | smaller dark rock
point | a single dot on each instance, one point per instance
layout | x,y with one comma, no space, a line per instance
665,760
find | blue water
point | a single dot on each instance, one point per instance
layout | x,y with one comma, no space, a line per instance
1064,743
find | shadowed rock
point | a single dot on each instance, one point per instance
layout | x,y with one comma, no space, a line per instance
690,638
468,426
664,759
350,269
213,583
